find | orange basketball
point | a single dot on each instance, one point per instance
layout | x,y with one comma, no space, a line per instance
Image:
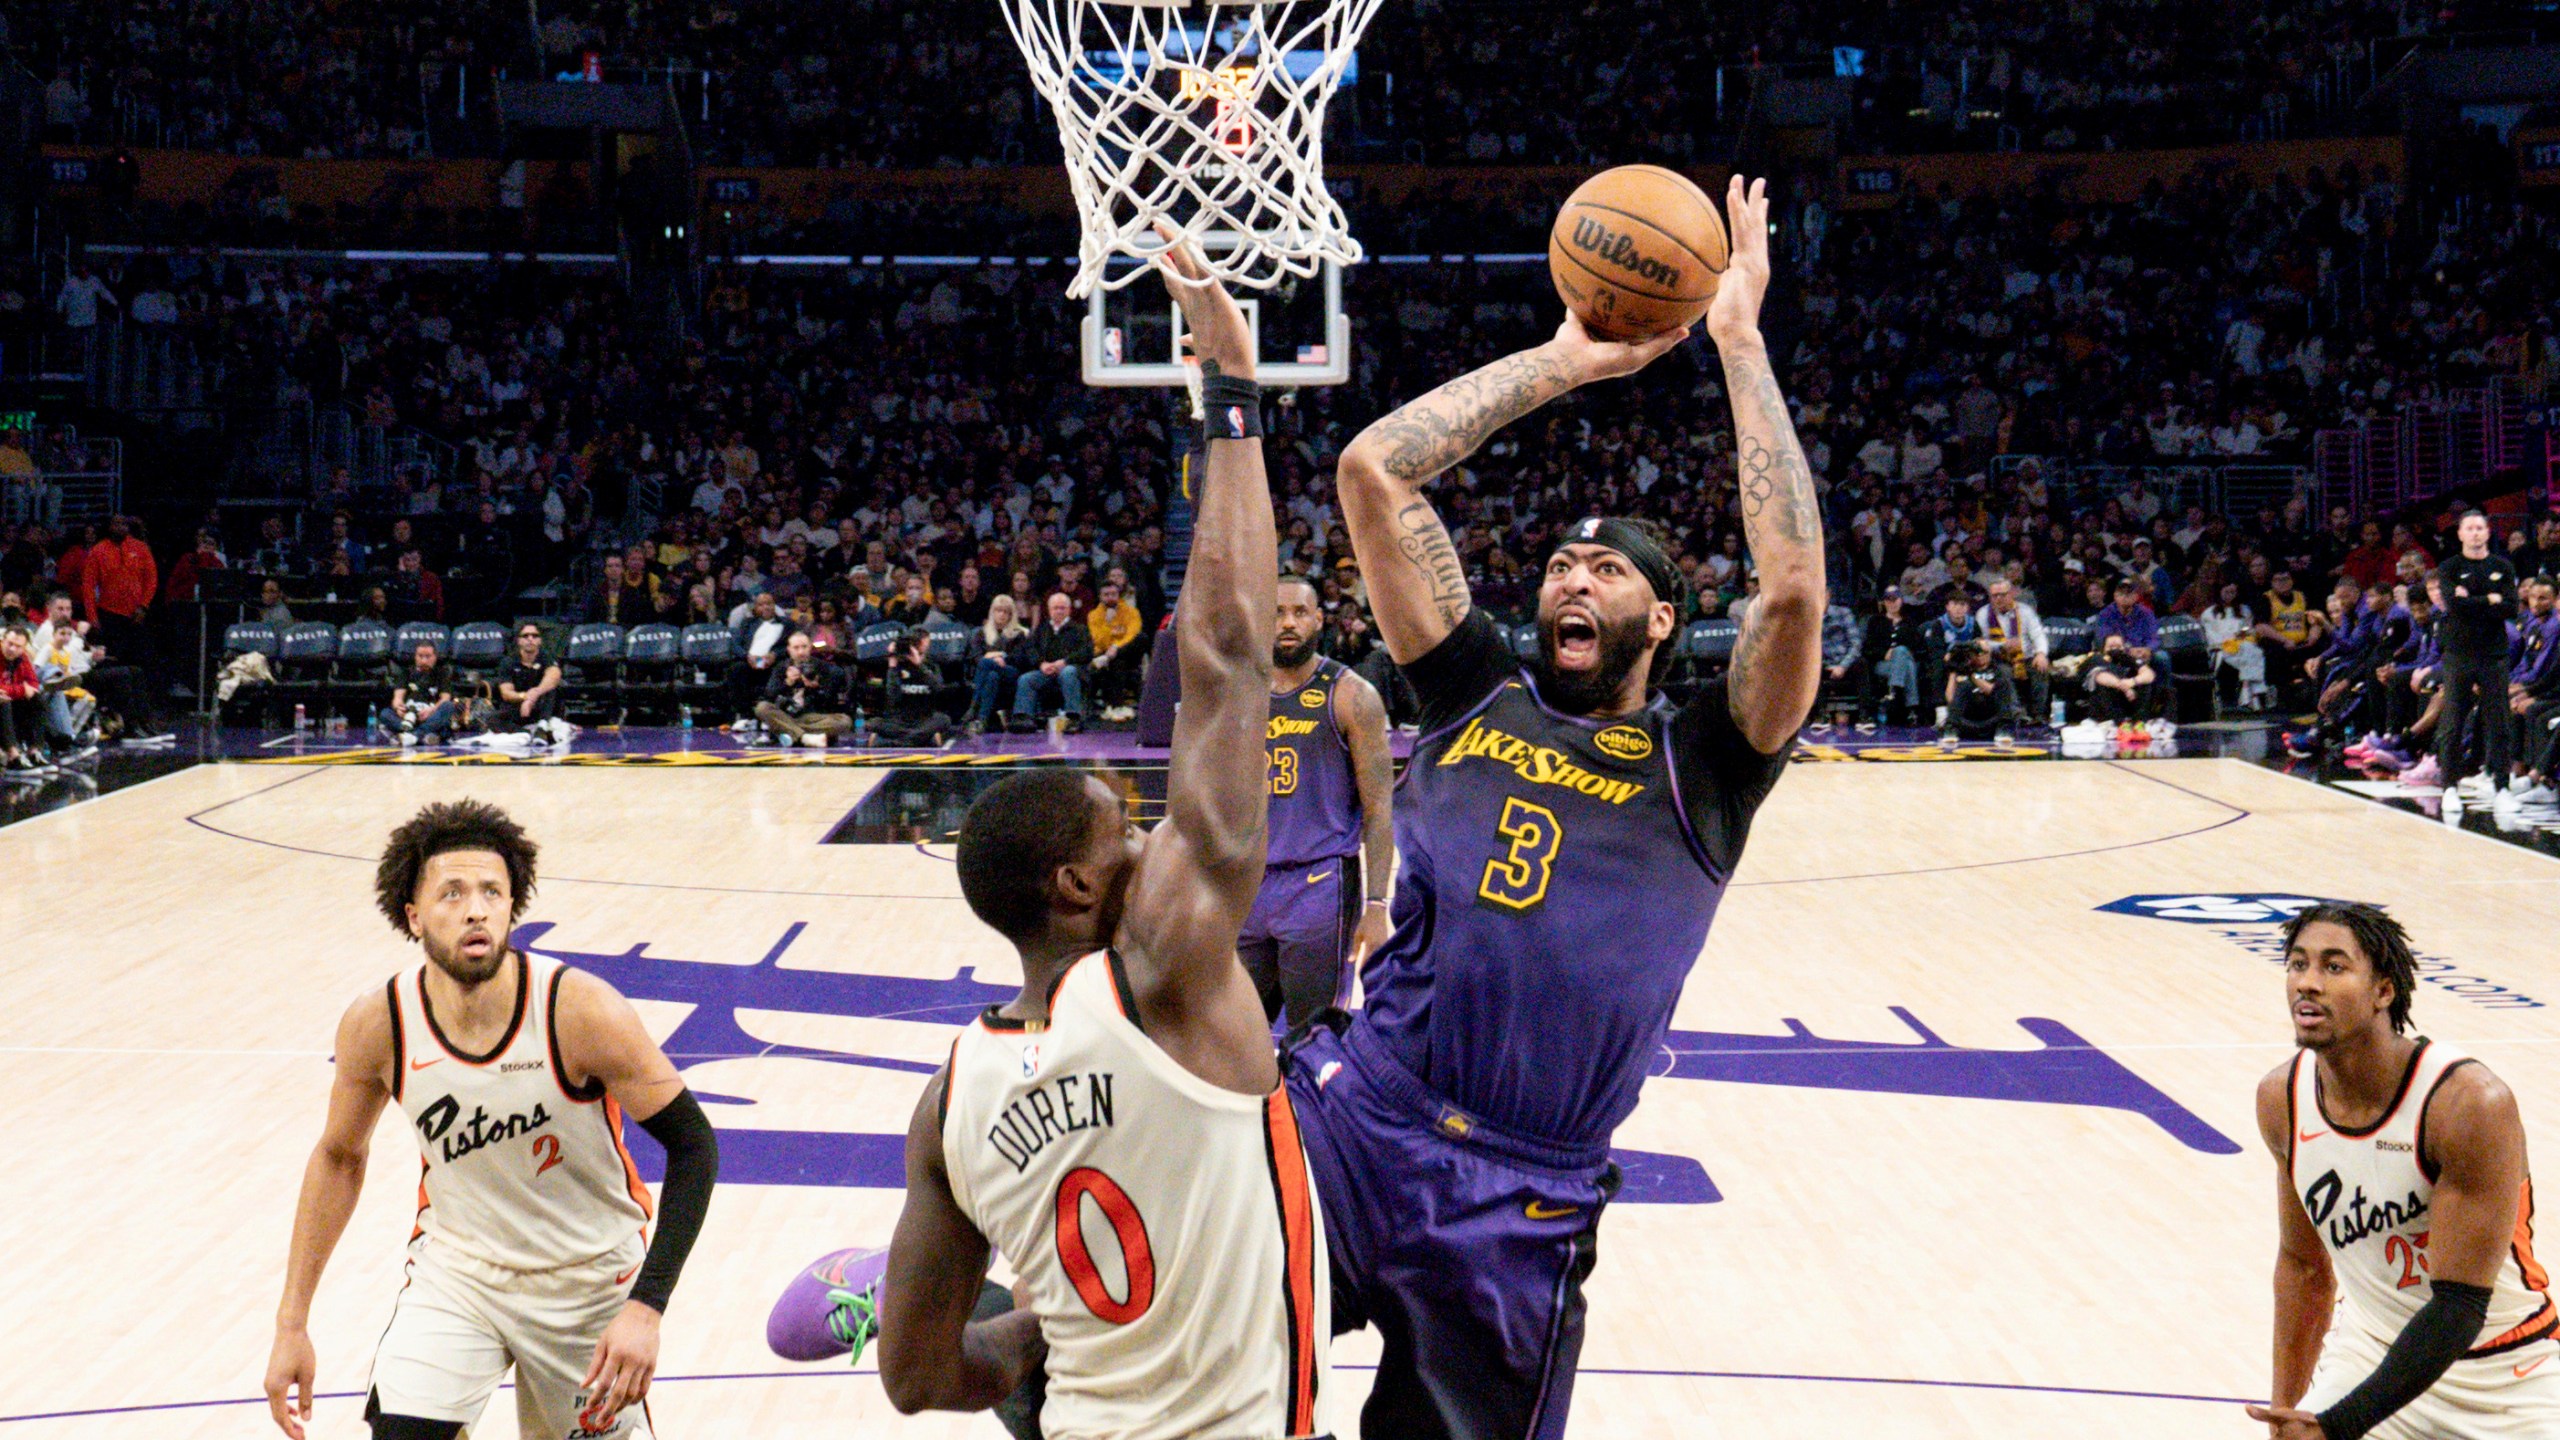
1636,251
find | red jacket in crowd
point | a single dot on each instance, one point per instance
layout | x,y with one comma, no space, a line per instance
18,680
186,575
120,578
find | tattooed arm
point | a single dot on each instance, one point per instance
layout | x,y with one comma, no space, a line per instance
1417,585
1777,662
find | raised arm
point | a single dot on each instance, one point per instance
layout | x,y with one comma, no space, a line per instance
1777,662
1417,587
1197,878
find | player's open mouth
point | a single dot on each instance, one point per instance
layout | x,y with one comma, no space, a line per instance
2309,1014
1577,641
479,942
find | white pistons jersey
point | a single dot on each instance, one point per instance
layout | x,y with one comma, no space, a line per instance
521,1170
2368,1193
1165,1230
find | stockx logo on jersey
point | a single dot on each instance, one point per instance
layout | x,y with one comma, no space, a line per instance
2249,919
2061,1068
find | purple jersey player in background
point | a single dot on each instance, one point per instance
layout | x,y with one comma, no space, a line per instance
1565,838
1321,911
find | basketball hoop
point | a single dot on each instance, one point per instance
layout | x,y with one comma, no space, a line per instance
1205,114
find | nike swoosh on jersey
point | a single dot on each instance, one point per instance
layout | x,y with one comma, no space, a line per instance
1326,875
423,1064
2307,1139
627,1274
1540,1210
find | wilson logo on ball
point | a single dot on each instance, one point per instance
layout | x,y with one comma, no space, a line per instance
1602,243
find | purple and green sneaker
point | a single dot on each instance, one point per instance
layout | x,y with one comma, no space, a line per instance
831,1308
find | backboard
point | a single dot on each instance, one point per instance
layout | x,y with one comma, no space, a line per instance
1132,334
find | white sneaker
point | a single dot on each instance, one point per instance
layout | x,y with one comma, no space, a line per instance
2532,795
408,740
814,742
2162,730
2474,786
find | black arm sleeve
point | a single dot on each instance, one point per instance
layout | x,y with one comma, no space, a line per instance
1461,670
1723,778
693,1163
2434,1338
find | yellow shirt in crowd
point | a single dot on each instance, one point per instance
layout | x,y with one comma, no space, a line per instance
1112,625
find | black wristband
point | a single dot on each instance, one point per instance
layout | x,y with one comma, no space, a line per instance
2446,1326
693,1164
1230,408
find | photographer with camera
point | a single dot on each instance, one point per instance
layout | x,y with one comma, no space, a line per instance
914,684
804,702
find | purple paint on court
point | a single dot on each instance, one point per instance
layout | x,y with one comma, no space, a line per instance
2063,1069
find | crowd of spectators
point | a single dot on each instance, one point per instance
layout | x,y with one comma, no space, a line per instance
265,77
877,82
869,446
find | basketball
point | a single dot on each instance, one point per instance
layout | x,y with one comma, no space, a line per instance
1637,251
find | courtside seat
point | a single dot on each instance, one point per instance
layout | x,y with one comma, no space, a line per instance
650,657
946,643
480,646
304,656
251,637
2186,663
364,650
406,640
706,650
591,671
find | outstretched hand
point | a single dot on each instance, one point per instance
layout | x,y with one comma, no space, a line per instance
1735,312
1219,336
1587,359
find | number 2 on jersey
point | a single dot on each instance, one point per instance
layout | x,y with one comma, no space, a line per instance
546,1148
1127,1227
1284,770
1519,881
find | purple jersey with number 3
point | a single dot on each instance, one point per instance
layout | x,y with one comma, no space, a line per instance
1315,798
1552,897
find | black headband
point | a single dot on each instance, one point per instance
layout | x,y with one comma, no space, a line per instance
1630,540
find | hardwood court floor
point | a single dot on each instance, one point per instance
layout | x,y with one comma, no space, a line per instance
1941,1144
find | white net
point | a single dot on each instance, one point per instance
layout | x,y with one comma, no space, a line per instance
1208,116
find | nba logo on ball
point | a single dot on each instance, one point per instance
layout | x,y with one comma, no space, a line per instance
2230,909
